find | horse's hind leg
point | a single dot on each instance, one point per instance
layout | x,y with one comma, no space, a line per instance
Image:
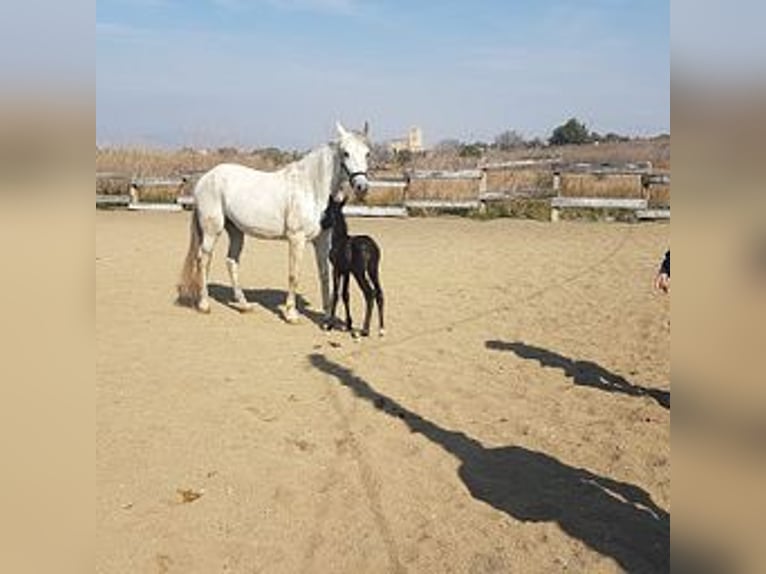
236,242
211,226
373,272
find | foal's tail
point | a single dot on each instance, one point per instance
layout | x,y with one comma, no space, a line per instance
190,284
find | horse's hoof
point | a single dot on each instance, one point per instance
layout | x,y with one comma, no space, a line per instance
242,306
365,333
292,318
354,334
382,333
203,307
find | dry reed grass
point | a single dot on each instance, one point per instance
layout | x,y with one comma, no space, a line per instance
601,185
137,162
443,189
658,195
520,180
385,196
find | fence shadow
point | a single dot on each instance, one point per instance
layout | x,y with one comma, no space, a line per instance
270,299
585,373
616,519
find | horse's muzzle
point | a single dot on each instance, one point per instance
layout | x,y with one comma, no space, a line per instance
361,185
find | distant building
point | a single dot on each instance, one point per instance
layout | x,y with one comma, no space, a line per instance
412,143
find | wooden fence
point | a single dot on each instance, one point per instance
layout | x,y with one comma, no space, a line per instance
634,187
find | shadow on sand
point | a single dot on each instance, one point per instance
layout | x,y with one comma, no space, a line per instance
270,299
614,518
585,373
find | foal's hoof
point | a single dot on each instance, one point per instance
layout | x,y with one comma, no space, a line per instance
382,333
327,325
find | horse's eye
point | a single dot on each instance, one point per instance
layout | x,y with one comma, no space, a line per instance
345,154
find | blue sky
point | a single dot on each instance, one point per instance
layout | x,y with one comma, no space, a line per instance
256,73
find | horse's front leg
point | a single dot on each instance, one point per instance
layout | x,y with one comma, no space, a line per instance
322,252
297,243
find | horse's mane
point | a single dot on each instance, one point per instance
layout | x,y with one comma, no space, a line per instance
320,166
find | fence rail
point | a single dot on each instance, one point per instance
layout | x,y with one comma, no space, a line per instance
443,174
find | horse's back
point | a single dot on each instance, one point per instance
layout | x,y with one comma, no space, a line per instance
231,179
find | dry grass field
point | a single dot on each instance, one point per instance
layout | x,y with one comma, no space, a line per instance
152,162
515,418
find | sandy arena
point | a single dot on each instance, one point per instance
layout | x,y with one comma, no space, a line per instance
515,418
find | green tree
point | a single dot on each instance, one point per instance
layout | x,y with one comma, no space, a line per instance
509,139
403,157
475,149
571,132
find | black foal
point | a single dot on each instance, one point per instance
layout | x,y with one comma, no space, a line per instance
353,254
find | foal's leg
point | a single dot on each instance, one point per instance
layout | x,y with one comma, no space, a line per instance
373,272
369,296
297,243
236,241
330,321
211,226
344,288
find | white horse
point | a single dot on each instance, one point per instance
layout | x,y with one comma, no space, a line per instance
286,204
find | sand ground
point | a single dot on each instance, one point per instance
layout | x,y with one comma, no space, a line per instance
515,418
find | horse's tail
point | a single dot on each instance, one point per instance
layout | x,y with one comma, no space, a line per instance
190,285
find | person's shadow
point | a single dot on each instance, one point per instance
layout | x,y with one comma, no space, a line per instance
585,373
616,519
270,299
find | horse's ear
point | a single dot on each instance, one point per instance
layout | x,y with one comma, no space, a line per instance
366,130
341,130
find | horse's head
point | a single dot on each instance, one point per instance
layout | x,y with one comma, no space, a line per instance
354,150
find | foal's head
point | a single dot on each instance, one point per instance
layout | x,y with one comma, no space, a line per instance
354,150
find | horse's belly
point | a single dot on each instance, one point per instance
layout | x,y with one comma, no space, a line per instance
257,215
259,225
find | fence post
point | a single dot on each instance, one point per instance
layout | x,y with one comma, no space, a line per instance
482,190
133,192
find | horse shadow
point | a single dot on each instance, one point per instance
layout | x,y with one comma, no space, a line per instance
586,373
272,300
616,519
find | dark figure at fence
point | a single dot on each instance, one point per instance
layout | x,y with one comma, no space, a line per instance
353,254
662,280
